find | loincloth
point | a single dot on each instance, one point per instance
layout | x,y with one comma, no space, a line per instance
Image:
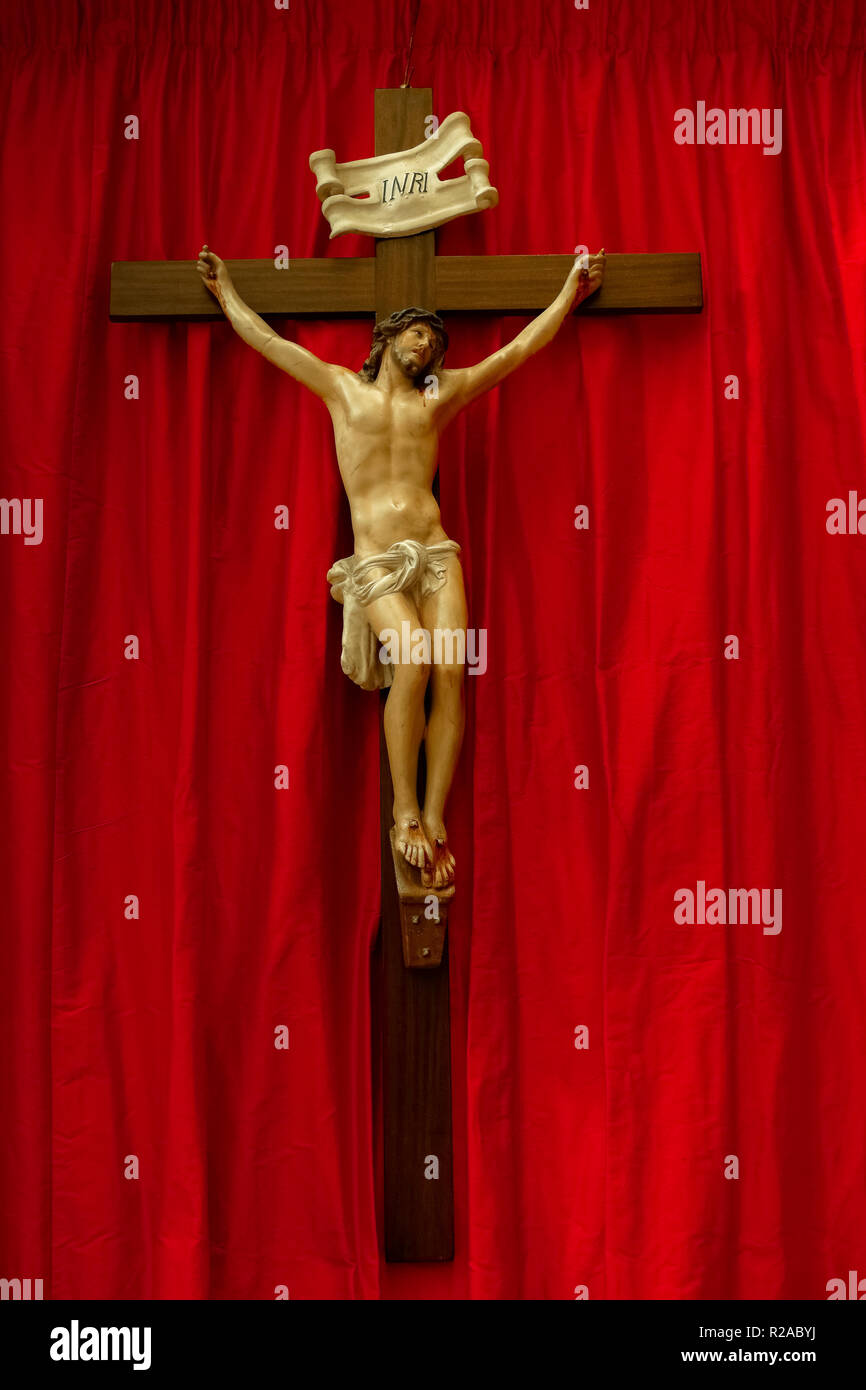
412,568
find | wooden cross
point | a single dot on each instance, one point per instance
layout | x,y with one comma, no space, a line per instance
415,1015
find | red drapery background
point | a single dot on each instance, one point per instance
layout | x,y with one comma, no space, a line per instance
154,1036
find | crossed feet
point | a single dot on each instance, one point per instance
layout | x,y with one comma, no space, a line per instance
423,842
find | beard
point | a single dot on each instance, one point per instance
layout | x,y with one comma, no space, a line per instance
408,365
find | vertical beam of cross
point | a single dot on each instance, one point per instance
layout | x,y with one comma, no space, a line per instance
416,1021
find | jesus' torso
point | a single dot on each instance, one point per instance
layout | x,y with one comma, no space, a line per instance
387,447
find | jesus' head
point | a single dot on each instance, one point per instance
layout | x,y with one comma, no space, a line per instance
416,340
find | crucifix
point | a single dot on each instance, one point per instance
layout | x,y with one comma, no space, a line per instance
416,869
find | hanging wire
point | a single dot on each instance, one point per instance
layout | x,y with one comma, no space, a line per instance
407,75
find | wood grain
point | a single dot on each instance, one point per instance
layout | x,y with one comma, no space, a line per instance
154,290
650,283
411,273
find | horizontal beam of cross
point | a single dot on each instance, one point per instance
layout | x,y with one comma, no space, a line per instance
650,283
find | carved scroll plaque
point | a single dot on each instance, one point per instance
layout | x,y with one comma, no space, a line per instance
394,195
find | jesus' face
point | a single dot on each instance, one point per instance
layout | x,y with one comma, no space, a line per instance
414,349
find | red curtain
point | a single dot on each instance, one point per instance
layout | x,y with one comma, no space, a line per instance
144,770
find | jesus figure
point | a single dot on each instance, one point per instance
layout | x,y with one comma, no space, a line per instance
387,421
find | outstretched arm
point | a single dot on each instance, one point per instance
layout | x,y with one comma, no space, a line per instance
584,279
319,377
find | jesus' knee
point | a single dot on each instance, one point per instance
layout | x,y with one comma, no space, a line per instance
411,676
447,679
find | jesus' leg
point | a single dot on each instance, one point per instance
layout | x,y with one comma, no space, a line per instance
444,615
404,727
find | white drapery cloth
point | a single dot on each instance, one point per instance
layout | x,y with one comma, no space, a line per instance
410,567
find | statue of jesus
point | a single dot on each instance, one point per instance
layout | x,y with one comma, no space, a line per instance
387,420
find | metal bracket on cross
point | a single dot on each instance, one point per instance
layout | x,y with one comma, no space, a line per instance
393,195
423,934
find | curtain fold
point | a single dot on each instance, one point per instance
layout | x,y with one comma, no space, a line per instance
172,911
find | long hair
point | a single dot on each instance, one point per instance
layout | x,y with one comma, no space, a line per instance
389,328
